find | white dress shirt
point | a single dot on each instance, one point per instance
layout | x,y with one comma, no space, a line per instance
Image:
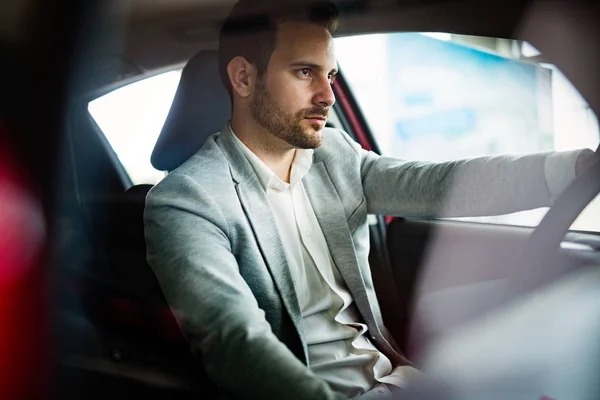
339,350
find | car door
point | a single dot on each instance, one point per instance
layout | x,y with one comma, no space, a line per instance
438,97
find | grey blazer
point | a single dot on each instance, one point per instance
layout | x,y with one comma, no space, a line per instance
214,246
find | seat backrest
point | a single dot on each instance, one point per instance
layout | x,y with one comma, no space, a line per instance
126,244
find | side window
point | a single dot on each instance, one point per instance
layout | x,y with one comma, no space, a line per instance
132,117
440,97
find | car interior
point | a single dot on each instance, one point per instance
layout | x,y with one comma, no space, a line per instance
446,288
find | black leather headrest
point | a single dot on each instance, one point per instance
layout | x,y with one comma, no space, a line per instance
200,108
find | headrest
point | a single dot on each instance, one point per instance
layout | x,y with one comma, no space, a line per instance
200,108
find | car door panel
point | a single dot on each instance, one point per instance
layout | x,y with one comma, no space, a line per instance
442,268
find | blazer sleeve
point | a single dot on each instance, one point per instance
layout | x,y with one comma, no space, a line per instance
481,186
189,251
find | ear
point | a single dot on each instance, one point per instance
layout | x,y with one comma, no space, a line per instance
242,76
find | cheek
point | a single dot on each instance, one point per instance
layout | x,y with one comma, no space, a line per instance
291,95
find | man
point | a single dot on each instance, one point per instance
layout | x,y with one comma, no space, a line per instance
260,240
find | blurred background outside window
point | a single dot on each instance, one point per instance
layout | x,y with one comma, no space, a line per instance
441,97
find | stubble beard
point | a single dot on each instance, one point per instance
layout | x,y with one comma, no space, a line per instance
283,125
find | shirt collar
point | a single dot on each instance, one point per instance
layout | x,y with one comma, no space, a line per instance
300,166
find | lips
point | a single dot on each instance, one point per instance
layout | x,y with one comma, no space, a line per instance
317,120
317,117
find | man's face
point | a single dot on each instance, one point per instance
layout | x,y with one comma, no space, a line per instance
293,97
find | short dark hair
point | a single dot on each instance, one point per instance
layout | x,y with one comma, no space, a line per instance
250,29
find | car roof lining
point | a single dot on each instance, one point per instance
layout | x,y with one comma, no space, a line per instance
150,42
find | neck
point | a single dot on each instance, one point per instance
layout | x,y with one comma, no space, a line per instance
273,151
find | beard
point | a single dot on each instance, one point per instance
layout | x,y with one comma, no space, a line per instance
286,126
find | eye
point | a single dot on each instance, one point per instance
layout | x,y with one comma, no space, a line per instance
331,78
304,72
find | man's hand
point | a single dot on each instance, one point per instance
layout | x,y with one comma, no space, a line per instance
586,159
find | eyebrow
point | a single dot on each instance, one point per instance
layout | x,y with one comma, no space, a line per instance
313,66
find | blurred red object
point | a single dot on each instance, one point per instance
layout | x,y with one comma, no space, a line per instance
23,323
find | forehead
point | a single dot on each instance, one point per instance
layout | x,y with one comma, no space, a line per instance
306,42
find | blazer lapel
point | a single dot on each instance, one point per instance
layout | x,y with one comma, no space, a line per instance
329,210
255,204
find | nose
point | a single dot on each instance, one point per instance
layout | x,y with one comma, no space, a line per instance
324,96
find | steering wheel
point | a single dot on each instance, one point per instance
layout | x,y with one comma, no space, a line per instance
536,267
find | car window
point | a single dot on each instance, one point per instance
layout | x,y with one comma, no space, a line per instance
132,117
443,96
